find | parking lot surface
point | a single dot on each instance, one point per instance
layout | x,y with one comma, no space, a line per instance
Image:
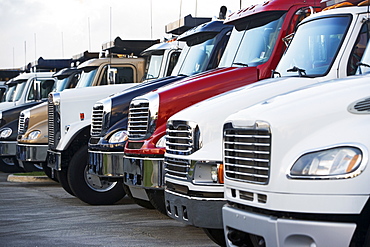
43,214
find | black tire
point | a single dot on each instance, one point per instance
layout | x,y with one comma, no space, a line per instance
216,235
49,172
156,198
63,180
140,202
10,165
89,188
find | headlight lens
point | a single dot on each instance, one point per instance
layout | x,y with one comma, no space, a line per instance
34,135
327,163
161,143
118,137
6,132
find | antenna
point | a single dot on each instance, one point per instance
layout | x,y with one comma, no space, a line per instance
88,27
62,46
35,45
151,20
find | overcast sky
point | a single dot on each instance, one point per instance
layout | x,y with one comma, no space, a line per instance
55,29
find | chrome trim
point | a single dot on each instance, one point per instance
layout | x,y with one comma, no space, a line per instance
104,164
143,114
27,152
182,137
144,172
22,126
100,116
8,148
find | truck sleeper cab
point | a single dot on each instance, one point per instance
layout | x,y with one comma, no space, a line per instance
109,137
252,51
26,93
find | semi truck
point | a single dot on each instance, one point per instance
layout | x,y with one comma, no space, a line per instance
109,123
254,48
24,91
306,184
34,150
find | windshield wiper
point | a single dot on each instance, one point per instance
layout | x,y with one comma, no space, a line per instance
241,64
301,72
359,64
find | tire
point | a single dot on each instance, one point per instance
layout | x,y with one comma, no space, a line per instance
49,172
63,180
156,198
10,165
216,235
140,202
89,188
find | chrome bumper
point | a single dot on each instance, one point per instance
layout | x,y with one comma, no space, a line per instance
8,148
196,211
281,232
104,164
54,160
143,172
33,153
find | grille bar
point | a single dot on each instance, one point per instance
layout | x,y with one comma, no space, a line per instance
138,119
97,119
176,167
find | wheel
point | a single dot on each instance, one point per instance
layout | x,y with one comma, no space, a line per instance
63,180
156,198
216,235
90,188
49,172
10,165
31,167
140,202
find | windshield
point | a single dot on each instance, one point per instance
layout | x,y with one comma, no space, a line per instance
18,91
9,95
60,85
252,46
195,58
153,70
87,77
313,49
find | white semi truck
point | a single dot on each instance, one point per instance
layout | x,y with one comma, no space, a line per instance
194,167
296,168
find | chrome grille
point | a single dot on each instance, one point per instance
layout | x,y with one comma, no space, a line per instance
247,154
21,124
138,119
180,138
176,167
97,119
51,123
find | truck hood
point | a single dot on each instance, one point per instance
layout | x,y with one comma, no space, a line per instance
307,120
209,115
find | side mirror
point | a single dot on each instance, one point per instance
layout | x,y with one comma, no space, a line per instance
112,72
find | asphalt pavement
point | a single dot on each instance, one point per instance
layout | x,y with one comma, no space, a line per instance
41,213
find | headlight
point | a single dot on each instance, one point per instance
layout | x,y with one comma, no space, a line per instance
34,135
118,137
6,132
161,143
330,163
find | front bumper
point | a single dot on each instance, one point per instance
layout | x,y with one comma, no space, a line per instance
104,164
279,232
32,153
197,211
8,148
54,160
143,172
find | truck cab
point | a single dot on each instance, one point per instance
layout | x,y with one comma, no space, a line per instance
194,191
69,112
32,125
308,184
24,91
110,115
